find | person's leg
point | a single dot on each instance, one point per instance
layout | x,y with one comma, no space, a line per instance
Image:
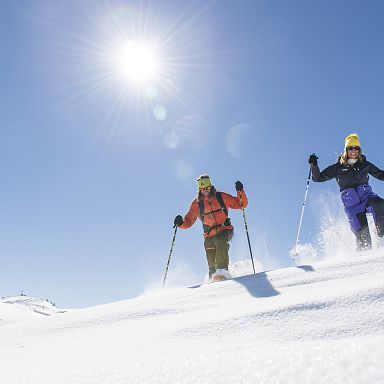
222,240
363,236
356,210
376,206
210,251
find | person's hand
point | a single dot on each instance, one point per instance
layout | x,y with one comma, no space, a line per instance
312,159
239,186
178,221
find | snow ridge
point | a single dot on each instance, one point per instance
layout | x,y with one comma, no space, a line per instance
20,308
321,323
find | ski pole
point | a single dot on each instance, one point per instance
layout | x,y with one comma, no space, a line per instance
302,213
246,230
170,254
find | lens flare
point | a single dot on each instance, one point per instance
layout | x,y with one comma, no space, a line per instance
160,112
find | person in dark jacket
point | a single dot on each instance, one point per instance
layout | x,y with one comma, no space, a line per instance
211,207
352,174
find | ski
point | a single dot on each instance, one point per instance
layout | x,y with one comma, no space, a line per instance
214,280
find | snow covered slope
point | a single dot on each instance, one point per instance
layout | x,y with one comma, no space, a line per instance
311,324
22,308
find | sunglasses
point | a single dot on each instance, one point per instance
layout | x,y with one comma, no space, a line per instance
205,189
353,148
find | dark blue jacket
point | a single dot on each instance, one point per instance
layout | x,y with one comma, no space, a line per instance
348,176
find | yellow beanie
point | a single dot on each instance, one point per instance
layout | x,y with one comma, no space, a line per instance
352,140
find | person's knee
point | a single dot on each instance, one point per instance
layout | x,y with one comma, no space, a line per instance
377,204
377,207
362,219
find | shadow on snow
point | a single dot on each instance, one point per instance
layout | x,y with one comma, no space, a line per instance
258,284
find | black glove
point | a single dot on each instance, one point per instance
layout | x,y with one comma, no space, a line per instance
178,221
313,159
239,186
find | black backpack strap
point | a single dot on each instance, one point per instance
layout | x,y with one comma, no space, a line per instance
219,198
221,201
201,208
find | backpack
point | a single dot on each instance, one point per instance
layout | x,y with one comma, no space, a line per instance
223,208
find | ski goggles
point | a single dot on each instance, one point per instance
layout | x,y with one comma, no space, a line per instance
204,183
353,148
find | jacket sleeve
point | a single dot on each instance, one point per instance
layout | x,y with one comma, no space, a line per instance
376,172
235,202
328,173
191,216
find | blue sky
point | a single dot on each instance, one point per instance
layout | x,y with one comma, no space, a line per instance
95,167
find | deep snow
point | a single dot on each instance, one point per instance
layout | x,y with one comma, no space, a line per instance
320,323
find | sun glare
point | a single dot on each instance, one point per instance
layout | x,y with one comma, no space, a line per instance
137,62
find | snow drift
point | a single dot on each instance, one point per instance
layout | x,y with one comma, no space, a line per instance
320,323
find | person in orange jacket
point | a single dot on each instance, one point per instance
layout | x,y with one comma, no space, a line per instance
211,207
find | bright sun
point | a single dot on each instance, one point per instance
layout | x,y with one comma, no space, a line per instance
137,62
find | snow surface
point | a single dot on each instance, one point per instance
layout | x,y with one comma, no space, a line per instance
319,323
24,308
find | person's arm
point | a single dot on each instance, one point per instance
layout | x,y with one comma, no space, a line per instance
328,173
191,216
236,202
376,172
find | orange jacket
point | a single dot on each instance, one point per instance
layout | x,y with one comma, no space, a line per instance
212,218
